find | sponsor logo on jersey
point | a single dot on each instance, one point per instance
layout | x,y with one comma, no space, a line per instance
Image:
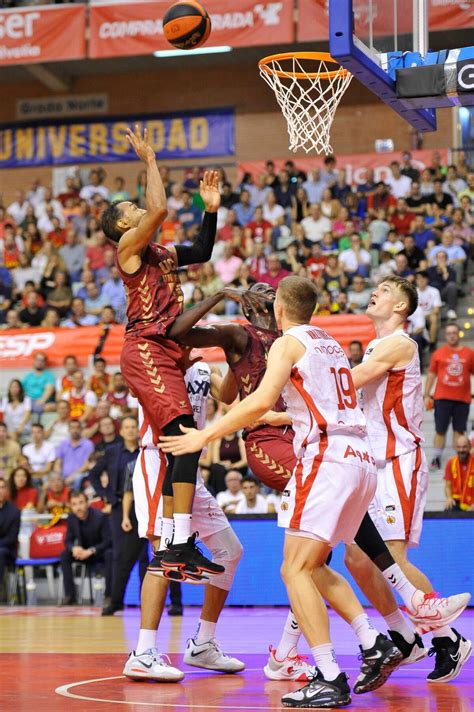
284,506
285,493
391,519
390,508
363,456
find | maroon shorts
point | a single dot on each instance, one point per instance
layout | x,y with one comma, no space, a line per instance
152,368
270,455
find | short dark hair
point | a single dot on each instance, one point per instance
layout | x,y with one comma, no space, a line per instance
355,343
38,425
408,290
108,223
252,479
423,273
76,493
299,296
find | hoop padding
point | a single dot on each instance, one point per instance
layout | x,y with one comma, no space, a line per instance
308,90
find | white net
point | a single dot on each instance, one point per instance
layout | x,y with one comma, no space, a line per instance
308,93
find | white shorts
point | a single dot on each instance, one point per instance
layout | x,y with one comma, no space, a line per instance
399,502
327,500
148,475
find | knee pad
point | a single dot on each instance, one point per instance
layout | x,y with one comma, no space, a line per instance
226,550
184,467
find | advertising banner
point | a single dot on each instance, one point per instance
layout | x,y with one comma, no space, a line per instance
17,346
42,33
122,29
198,135
356,164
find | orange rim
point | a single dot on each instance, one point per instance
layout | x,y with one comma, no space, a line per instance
315,56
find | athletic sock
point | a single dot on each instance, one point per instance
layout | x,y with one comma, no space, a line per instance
205,631
365,631
396,621
397,579
182,528
325,659
445,632
146,640
289,638
437,452
166,533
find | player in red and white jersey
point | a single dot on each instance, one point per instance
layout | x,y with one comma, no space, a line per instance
146,662
150,362
390,379
329,492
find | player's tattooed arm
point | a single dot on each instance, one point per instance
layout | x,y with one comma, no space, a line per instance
392,353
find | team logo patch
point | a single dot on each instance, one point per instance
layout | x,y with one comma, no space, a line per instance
285,493
284,506
390,508
391,519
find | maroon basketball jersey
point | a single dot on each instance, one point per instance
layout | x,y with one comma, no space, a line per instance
154,296
251,368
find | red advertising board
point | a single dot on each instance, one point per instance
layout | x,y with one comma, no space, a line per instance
313,20
356,164
42,34
122,29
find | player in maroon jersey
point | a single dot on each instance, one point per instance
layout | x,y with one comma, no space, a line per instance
150,362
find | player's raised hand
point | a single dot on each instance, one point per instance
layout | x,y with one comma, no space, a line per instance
209,191
139,142
192,441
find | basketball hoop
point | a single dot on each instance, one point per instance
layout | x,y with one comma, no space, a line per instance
308,90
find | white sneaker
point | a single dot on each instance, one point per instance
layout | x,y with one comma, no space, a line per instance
431,612
209,656
451,314
151,665
293,667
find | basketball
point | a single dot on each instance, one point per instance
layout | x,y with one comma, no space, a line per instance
186,24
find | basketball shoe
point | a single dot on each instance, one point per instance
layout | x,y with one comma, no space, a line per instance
151,665
450,657
377,664
209,656
293,667
320,693
185,563
429,612
412,652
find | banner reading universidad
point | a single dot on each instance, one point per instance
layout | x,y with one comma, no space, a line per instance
198,135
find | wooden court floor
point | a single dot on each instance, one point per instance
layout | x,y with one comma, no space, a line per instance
71,659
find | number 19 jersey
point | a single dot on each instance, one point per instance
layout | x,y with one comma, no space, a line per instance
321,399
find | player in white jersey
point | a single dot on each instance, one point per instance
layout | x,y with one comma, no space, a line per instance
146,662
332,485
390,379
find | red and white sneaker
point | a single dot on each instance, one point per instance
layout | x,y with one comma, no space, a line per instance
293,667
430,612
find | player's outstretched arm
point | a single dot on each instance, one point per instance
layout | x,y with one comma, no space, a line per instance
393,353
284,353
201,249
229,388
134,241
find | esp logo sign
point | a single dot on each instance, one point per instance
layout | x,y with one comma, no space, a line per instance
22,346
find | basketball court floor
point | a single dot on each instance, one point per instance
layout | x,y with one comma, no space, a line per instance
58,659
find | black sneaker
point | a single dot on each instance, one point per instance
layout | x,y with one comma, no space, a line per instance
320,693
155,567
436,463
450,657
188,560
377,665
412,652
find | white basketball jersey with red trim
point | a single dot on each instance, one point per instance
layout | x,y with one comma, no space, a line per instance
393,406
198,383
320,396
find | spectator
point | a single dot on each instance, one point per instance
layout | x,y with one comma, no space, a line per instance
81,401
91,431
408,169
72,455
108,436
229,498
51,319
99,380
424,236
228,266
355,260
443,277
340,189
88,541
415,200
210,281
98,256
284,190
300,205
393,243
330,207
426,183
368,186
380,199
254,503
314,186
459,478
402,268
33,314
316,224
356,353
460,230
244,210
275,272
95,300
22,493
38,384
64,383
439,197
78,315
229,452
189,215
258,228
10,518
119,193
54,495
359,295
455,254
9,452
120,401
402,218
271,210
70,191
429,301
58,430
94,187
16,409
61,296
451,367
41,454
333,276
378,229
415,257
113,293
454,184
